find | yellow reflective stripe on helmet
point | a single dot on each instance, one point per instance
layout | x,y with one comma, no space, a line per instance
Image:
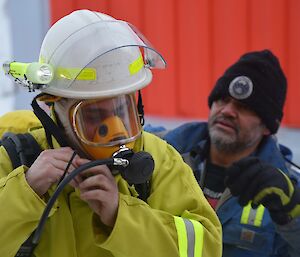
252,216
190,237
76,73
136,65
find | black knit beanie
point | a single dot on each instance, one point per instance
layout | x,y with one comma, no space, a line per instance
258,81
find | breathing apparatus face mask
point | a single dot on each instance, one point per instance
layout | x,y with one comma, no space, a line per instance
104,125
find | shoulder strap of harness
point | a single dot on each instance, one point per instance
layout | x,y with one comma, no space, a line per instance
22,150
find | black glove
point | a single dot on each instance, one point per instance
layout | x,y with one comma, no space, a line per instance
253,180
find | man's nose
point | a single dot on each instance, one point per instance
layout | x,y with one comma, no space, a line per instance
229,109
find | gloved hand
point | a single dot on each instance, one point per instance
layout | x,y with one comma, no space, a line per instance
253,180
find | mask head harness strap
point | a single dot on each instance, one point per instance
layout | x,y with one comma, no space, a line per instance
140,108
51,128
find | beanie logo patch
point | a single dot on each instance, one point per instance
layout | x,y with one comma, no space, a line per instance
240,87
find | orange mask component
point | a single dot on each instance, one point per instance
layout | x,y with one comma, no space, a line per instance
111,129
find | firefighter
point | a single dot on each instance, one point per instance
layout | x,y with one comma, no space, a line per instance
93,66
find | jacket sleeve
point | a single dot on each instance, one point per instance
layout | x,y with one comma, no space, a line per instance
21,208
291,234
176,220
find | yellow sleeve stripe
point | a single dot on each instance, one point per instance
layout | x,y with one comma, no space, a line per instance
245,214
198,237
182,237
252,216
190,237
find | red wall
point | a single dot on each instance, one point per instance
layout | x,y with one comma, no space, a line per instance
199,39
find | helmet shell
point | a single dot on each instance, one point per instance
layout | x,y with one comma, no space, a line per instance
96,56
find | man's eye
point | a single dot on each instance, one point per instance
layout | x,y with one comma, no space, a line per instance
242,106
222,101
246,108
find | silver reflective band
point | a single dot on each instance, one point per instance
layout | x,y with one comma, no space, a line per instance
241,87
252,216
190,237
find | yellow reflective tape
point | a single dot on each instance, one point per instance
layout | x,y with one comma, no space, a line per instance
76,73
182,237
289,182
253,220
41,59
198,238
285,199
136,65
245,214
18,69
296,211
259,215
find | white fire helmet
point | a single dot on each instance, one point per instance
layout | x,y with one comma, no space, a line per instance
96,56
101,62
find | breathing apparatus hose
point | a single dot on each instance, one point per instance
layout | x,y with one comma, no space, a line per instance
61,186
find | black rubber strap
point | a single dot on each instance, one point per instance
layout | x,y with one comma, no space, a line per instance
10,148
48,124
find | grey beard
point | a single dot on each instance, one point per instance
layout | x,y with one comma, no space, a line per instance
228,147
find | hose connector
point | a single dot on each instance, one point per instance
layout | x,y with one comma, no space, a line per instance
120,162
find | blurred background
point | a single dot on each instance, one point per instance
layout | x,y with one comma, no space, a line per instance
198,39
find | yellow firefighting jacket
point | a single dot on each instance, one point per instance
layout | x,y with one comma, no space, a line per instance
176,220
19,121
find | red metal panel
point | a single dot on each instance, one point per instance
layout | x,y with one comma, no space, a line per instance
268,29
100,6
199,39
160,28
268,24
293,51
230,33
131,12
193,60
60,8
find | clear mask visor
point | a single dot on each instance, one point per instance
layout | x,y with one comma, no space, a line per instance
107,122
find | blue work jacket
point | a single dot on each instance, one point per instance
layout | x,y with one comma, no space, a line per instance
246,232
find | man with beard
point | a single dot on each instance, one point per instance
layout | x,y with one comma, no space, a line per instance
239,165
